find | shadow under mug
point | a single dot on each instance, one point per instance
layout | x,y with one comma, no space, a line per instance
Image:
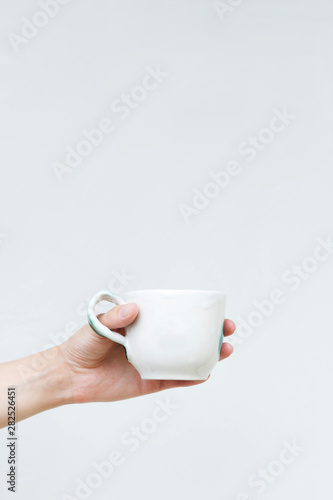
177,334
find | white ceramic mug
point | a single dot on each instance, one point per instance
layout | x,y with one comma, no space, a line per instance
177,334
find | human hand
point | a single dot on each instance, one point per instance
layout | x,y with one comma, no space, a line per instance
98,370
85,368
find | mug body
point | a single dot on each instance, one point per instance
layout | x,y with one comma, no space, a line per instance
177,334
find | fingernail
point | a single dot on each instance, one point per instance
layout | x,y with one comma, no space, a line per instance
125,311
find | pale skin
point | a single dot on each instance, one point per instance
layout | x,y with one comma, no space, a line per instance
86,368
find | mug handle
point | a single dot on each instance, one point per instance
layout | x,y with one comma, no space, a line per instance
94,322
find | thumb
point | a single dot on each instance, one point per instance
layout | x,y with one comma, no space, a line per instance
119,316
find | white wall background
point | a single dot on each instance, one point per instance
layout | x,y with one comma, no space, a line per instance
62,241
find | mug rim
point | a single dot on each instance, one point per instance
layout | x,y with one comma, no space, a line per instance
189,291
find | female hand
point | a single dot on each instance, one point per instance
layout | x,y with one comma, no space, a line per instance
98,367
85,368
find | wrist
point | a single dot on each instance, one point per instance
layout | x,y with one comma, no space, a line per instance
43,383
58,379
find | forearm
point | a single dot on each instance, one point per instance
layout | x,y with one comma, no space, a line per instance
40,381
